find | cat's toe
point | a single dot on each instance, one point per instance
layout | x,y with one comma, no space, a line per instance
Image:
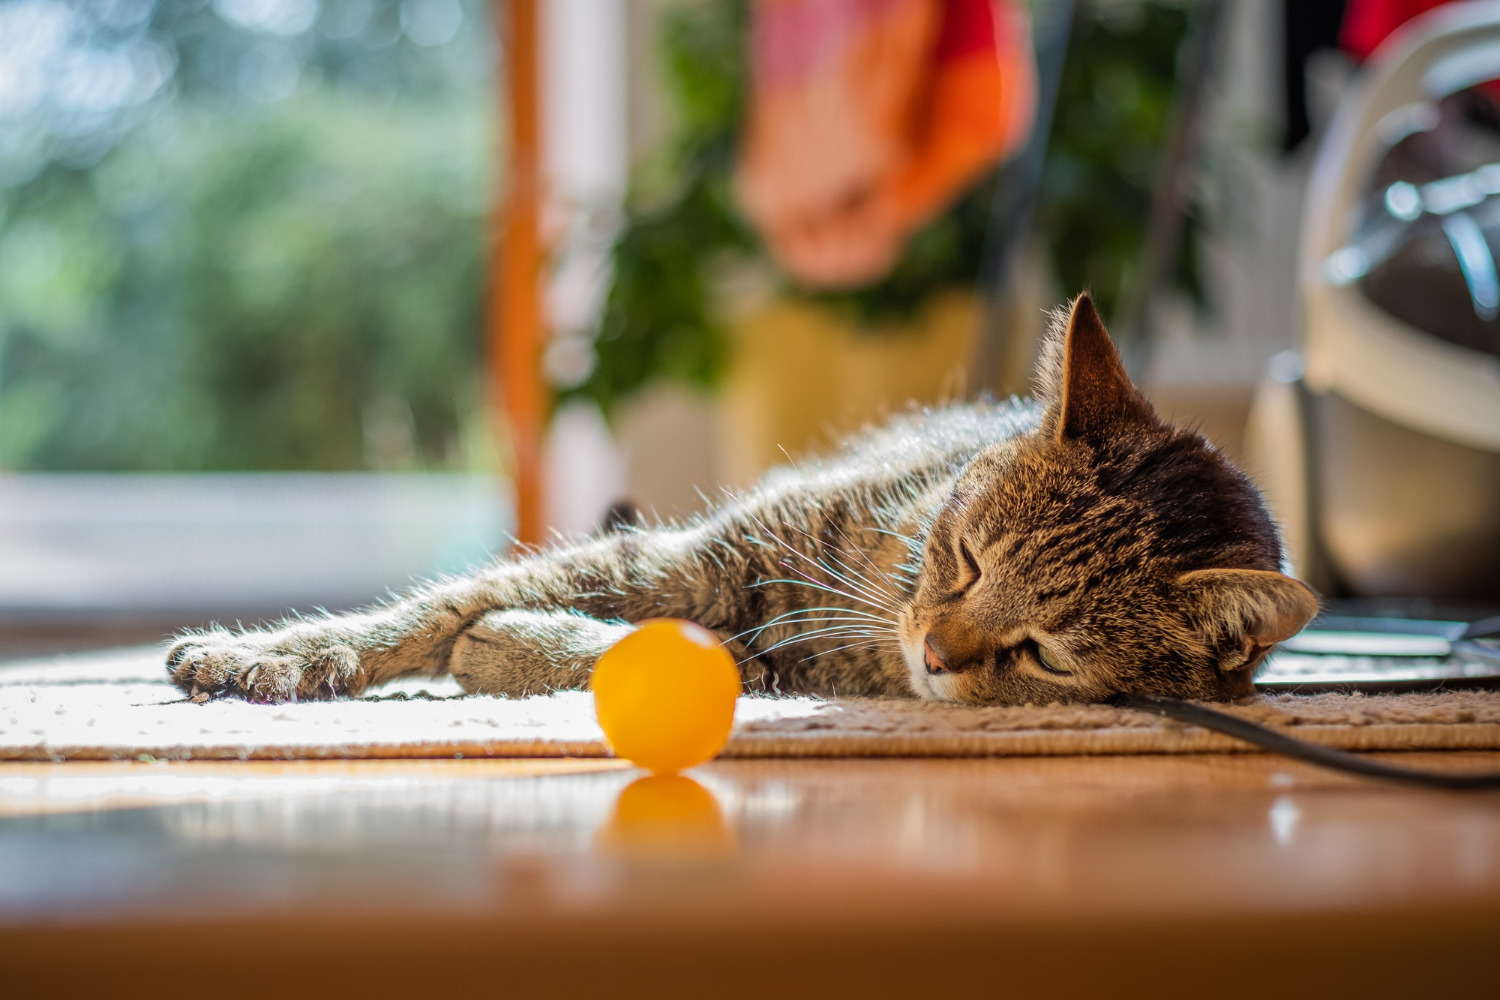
205,669
272,679
211,666
197,667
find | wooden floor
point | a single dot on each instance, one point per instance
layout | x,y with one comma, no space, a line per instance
1229,875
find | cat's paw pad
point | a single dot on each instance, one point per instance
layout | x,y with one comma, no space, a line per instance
214,665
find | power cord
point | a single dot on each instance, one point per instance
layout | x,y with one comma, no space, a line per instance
1482,629
1313,753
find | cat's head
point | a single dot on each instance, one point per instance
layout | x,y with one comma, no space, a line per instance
1109,551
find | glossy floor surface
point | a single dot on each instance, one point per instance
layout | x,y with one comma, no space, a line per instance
1225,875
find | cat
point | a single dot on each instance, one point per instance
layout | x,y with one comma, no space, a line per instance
1061,549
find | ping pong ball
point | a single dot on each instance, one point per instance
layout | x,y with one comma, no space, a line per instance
664,695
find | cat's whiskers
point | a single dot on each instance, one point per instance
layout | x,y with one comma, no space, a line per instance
850,575
863,554
857,580
840,609
817,585
847,624
868,595
838,624
811,616
872,644
839,571
840,632
832,632
835,631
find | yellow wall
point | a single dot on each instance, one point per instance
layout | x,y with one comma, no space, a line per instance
803,376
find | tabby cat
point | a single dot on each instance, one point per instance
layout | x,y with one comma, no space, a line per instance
993,553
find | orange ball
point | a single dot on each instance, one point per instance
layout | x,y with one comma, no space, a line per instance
665,694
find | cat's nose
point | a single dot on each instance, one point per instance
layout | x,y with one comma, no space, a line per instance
930,655
948,651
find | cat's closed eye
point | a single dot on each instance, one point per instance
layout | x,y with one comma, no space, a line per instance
1048,659
973,564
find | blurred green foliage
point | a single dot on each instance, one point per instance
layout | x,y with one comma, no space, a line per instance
659,318
248,294
272,259
237,282
1113,106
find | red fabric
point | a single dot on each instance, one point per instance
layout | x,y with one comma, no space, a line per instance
1367,23
968,26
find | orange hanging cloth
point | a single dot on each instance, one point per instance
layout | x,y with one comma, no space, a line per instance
868,117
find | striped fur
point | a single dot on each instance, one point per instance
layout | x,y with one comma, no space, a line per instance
1049,551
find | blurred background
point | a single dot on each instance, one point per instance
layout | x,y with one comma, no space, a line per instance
303,300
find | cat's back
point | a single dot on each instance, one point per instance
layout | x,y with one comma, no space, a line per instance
943,435
912,448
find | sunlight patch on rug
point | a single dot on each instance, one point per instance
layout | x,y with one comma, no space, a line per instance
119,705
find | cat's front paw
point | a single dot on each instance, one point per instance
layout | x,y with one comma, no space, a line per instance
267,667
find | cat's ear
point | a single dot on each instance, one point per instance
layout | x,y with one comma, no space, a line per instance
1089,394
1253,609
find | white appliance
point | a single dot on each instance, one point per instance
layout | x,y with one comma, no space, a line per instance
1379,449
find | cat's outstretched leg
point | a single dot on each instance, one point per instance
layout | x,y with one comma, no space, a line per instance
522,653
340,655
711,572
642,575
286,665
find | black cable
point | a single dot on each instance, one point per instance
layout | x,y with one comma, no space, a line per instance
1270,739
1482,629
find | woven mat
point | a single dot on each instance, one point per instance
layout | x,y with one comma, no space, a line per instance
117,705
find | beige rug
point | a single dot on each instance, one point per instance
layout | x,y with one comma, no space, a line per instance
117,705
